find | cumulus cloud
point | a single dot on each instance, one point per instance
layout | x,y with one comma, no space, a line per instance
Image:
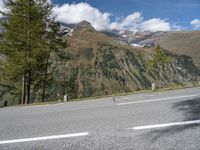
195,23
155,24
2,6
75,13
136,22
130,22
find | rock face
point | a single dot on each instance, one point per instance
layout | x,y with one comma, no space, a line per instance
179,42
182,43
99,65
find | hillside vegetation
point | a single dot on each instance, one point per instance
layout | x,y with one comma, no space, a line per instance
182,43
99,65
94,64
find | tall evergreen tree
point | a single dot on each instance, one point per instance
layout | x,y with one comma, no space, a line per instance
26,43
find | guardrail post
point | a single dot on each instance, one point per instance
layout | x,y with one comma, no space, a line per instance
153,86
65,98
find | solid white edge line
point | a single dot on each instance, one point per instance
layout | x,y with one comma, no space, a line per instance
164,125
44,138
155,100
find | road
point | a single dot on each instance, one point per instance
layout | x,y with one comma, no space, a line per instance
154,121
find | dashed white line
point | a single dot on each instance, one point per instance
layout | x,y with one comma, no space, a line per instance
165,125
44,138
155,100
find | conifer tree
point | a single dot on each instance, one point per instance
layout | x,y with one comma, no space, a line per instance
26,44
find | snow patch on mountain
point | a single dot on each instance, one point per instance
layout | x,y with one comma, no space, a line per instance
137,45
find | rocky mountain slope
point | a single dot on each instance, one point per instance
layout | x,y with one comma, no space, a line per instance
179,42
100,65
95,64
182,43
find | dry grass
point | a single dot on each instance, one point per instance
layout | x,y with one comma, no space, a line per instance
182,43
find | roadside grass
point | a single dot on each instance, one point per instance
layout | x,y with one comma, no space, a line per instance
174,87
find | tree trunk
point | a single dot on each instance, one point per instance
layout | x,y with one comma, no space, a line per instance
45,78
27,87
28,72
23,89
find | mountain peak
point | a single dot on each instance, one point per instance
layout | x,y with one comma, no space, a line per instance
84,25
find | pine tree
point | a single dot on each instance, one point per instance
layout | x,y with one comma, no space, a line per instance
26,43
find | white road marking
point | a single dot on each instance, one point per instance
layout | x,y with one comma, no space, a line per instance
155,100
44,138
165,125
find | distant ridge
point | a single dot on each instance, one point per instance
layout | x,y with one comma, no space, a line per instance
84,25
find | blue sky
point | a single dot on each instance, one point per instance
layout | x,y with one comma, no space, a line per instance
179,12
134,15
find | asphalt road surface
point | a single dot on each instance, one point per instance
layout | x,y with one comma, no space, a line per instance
167,120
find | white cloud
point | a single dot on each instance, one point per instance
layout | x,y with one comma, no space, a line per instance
177,27
136,22
155,24
75,13
2,7
132,19
130,22
195,23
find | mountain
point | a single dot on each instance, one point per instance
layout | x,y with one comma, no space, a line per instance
182,43
176,42
95,64
144,39
99,64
